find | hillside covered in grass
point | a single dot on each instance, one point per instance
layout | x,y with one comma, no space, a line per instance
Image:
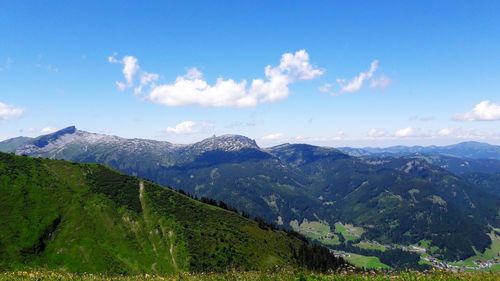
279,275
87,218
401,200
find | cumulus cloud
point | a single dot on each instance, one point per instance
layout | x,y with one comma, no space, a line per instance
405,132
355,84
273,137
148,78
9,111
189,127
145,80
483,111
183,128
132,72
130,69
192,89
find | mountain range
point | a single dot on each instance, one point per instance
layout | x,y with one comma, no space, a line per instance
444,199
470,150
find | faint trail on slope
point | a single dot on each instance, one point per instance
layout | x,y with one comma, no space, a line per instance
170,234
148,222
141,191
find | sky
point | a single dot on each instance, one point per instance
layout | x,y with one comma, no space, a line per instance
333,73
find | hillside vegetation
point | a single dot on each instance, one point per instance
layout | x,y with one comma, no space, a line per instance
87,218
439,202
280,275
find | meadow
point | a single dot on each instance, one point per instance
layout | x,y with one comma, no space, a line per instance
279,275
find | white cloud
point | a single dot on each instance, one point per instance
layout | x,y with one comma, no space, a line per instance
483,111
9,111
327,88
145,80
405,132
130,68
148,78
377,133
381,82
295,67
273,137
355,84
121,86
445,132
417,133
193,74
340,135
185,91
190,127
183,128
469,133
448,132
193,89
48,130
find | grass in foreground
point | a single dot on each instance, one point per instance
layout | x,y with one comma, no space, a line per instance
366,261
281,275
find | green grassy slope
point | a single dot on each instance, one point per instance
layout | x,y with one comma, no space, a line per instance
280,275
395,200
58,215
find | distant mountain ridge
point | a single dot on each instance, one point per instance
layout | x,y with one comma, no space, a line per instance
469,149
70,142
394,197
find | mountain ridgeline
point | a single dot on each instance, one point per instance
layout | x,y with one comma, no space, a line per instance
87,218
434,197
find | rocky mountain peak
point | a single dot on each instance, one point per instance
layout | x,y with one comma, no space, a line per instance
226,143
46,139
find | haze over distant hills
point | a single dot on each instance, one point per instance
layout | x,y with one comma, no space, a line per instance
469,149
444,199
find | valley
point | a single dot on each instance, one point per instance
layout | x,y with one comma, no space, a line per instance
249,140
365,207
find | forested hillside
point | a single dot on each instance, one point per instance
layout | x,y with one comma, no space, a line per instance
87,218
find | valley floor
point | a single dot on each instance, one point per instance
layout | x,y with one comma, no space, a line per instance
282,275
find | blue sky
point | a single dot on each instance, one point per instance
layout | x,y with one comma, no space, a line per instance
418,72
